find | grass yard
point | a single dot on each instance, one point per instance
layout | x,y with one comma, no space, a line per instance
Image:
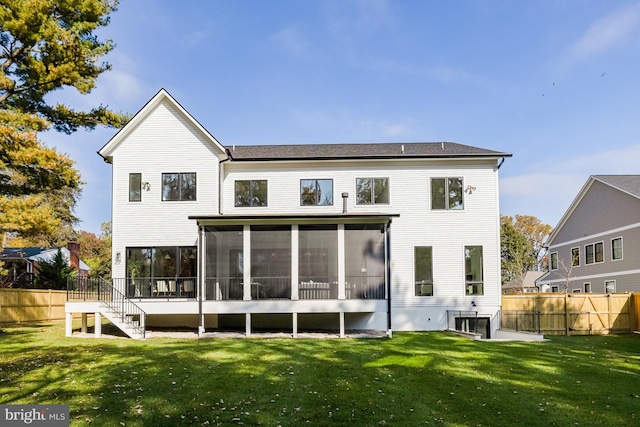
415,379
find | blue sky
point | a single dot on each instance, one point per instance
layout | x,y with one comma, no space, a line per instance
555,83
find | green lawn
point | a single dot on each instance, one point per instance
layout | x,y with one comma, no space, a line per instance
414,379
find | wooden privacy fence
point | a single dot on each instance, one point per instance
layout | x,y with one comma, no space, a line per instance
31,305
571,314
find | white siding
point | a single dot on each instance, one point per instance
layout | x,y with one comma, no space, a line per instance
448,232
164,142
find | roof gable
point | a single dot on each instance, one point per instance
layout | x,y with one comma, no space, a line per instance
162,96
624,184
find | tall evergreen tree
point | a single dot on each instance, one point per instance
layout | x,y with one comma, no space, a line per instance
46,45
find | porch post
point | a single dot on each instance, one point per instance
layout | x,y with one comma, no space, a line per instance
83,328
97,329
341,265
246,263
248,324
295,325
68,326
294,263
342,324
201,280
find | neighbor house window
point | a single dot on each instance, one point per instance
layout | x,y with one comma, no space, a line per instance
251,193
587,287
178,186
609,286
372,191
423,258
135,187
554,260
575,257
316,192
446,193
616,248
554,289
474,283
594,253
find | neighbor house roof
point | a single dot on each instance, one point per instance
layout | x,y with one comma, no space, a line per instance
37,254
629,184
396,150
529,280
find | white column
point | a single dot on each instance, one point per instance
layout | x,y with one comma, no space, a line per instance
68,326
294,262
98,325
341,264
342,324
248,325
246,259
83,328
295,325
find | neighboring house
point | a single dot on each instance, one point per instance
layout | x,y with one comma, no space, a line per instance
595,246
401,236
526,283
22,263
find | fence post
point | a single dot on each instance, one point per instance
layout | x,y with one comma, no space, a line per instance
566,313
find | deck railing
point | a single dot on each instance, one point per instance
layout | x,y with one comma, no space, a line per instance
98,289
365,287
521,320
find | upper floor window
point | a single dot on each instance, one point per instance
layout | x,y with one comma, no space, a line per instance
251,193
316,192
594,253
616,248
446,193
554,261
575,257
135,187
178,186
474,282
423,270
372,191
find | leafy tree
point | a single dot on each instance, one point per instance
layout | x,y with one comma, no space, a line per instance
96,251
46,45
521,245
54,274
516,252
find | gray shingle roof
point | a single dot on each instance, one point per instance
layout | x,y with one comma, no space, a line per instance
628,183
396,150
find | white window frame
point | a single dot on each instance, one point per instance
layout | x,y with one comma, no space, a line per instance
587,287
572,257
447,193
551,261
621,249
594,253
605,286
373,190
576,290
555,288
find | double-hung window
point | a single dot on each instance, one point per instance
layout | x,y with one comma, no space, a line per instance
553,261
446,194
575,257
423,258
616,248
474,282
178,186
251,193
594,253
372,191
135,187
316,192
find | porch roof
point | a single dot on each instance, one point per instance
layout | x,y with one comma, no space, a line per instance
297,218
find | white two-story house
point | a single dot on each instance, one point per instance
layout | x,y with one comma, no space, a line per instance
389,236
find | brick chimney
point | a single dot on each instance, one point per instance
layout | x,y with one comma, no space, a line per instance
74,254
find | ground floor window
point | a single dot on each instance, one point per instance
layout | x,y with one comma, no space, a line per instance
423,260
161,270
609,286
474,282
